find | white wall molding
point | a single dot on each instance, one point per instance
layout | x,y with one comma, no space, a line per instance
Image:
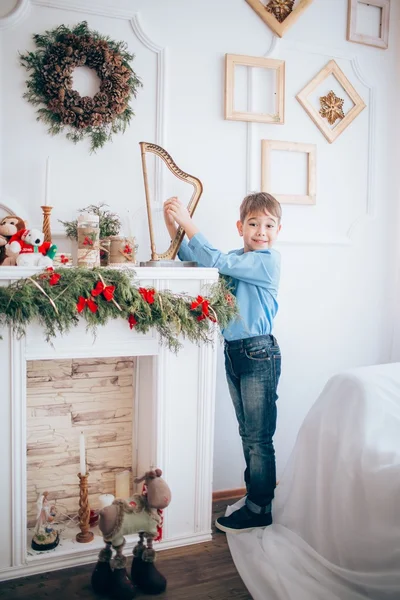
103,11
22,10
161,56
369,208
17,14
337,54
18,450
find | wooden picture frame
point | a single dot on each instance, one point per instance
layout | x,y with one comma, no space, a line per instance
331,68
368,40
279,28
231,61
267,146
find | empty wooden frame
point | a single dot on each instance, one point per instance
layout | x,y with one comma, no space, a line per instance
360,38
233,60
267,147
331,133
279,28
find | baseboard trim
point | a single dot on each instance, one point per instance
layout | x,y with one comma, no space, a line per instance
225,494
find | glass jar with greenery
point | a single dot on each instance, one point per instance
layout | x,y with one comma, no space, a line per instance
109,225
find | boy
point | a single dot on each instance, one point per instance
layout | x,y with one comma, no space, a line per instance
252,355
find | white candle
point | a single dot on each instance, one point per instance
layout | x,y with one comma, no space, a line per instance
47,189
122,484
82,454
106,500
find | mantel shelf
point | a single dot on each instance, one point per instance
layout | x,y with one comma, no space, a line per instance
141,273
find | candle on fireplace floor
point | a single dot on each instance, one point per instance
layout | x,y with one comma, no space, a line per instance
122,484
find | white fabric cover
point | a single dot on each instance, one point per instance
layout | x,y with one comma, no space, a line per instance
336,531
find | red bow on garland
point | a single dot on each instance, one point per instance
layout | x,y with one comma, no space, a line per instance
53,278
82,302
132,321
147,295
204,304
106,290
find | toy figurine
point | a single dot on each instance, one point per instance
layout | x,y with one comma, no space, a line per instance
31,249
9,226
45,537
140,514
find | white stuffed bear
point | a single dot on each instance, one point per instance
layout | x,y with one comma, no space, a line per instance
31,248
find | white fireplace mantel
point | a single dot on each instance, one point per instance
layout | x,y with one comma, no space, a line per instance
174,408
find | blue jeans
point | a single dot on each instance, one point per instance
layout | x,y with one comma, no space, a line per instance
253,367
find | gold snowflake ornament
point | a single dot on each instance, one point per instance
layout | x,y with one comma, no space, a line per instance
331,107
280,8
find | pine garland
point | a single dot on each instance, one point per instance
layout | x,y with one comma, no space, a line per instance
54,297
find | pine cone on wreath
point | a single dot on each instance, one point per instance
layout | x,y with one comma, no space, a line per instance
94,59
106,86
69,117
96,119
57,50
87,103
54,105
100,99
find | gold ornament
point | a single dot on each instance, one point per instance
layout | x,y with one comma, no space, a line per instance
280,9
331,107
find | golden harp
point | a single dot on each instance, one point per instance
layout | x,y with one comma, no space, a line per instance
167,258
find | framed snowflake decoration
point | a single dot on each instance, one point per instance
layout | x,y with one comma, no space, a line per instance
330,116
279,15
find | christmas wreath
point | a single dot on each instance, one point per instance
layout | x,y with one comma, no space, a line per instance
57,299
51,66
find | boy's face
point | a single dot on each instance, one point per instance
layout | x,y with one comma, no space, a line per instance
259,231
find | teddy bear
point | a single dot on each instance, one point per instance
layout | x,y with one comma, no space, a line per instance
9,226
142,514
31,249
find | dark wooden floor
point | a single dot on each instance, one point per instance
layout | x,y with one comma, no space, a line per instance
199,572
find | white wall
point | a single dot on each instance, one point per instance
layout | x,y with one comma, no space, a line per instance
337,298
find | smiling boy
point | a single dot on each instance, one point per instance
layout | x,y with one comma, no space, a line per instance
252,354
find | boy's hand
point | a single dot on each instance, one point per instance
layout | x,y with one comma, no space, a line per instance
168,217
169,221
177,212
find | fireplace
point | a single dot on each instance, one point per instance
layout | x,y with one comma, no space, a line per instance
95,396
164,405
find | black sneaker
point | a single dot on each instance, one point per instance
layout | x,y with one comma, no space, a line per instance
243,520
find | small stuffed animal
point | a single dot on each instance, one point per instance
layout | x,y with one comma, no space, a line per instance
140,514
9,226
31,248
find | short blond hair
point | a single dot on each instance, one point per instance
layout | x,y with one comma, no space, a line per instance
259,202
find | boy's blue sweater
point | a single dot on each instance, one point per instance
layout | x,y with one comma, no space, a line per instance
255,280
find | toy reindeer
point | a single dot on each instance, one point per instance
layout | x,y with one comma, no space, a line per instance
140,514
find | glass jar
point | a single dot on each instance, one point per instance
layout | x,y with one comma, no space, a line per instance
123,250
88,240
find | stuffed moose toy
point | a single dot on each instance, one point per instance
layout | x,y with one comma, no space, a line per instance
140,514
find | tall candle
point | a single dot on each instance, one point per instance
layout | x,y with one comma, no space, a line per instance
122,484
47,189
82,454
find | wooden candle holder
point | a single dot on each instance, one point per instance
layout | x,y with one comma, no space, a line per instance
46,227
85,535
